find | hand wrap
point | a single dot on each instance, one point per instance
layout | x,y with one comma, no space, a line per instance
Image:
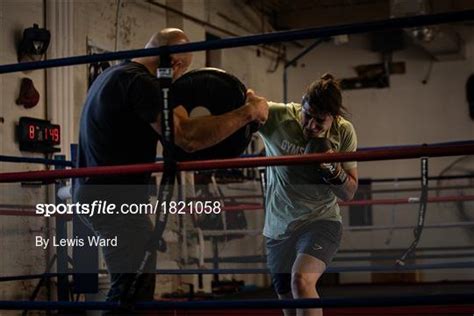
331,172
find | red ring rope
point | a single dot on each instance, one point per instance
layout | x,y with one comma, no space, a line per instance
366,155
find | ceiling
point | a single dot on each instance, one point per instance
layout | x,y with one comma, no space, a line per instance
442,42
293,14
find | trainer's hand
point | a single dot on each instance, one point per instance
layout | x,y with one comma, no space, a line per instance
258,107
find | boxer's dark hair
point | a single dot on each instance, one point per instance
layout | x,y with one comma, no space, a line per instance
324,96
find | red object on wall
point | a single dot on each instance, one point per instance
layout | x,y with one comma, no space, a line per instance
29,96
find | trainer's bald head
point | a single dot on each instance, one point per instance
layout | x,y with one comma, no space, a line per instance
168,36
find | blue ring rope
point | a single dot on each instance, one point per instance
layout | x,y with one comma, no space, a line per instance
266,38
337,258
443,299
53,162
374,268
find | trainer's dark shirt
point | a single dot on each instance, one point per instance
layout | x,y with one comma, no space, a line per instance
115,123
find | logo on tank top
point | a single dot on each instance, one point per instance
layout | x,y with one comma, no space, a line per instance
291,148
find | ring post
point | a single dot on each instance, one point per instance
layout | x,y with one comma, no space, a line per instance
61,233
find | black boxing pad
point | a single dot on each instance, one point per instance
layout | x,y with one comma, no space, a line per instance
219,92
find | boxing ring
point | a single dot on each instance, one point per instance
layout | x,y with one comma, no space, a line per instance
455,304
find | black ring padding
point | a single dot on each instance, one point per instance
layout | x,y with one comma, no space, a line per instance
421,212
165,194
165,77
52,162
266,38
219,92
373,301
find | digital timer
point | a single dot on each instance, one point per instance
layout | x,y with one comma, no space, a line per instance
38,135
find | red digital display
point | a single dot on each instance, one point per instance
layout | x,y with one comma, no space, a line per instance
38,135
41,133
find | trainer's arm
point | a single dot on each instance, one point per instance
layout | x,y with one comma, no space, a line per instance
346,191
192,134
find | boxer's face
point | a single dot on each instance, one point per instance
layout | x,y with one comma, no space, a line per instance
314,123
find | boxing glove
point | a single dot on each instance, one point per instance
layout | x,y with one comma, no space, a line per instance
318,145
330,172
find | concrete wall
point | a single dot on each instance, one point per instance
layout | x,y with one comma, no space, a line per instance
18,256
